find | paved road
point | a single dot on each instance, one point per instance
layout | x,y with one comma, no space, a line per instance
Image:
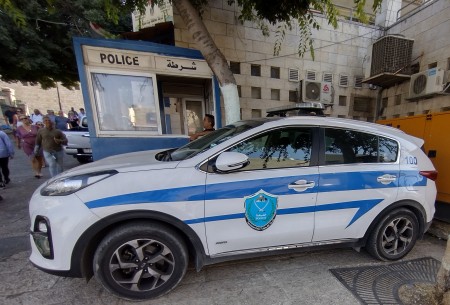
302,278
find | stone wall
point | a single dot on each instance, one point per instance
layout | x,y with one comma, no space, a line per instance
429,27
35,97
340,51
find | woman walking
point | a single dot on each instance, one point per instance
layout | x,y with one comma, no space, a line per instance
27,138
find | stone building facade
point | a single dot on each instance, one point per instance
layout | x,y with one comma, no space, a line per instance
342,57
29,97
265,81
429,26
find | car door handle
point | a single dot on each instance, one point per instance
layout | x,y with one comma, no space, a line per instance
386,179
86,135
301,185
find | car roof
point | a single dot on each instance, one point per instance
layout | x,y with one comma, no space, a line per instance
337,122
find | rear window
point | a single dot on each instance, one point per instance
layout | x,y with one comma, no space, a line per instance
348,146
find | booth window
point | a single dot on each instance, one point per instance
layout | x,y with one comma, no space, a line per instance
125,103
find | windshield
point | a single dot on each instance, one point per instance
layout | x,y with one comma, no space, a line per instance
212,139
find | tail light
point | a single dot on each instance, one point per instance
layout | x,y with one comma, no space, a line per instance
432,175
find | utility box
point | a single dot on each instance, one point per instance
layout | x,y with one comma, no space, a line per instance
433,129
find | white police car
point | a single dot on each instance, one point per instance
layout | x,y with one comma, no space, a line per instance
252,188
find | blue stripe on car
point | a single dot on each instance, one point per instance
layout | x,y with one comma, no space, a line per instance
363,207
330,182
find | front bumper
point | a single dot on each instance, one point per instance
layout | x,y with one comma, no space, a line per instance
78,152
67,217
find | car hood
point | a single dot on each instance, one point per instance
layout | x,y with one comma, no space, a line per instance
135,161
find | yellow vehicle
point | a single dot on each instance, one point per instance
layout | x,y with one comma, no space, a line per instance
435,130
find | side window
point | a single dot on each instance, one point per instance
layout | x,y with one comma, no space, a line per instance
388,150
348,146
290,147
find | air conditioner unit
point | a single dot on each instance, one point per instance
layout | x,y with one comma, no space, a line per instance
425,83
325,93
311,91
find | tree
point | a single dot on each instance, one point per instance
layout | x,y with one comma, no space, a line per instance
282,13
36,38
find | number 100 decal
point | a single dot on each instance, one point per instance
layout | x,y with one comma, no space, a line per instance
411,160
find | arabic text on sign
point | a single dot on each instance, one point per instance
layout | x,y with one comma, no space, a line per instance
119,59
173,65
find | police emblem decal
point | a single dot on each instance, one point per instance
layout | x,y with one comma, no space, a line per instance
260,210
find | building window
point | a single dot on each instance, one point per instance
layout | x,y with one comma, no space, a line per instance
256,92
239,91
415,68
328,77
275,72
310,75
256,113
275,94
255,70
293,96
343,80
235,67
121,111
384,104
432,65
361,104
342,100
358,81
293,75
398,99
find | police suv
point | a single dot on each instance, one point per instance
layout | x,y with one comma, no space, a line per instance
253,188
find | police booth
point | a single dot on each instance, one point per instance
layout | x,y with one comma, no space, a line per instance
141,95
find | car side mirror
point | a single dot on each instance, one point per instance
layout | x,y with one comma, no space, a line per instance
84,122
231,161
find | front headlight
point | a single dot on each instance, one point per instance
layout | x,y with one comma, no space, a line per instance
69,185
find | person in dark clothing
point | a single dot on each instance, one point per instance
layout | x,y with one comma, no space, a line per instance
208,126
51,141
6,153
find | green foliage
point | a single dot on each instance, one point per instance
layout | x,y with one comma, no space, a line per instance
36,35
39,50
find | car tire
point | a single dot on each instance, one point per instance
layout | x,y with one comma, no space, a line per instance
141,260
394,236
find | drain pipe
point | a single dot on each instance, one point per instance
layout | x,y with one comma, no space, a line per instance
378,103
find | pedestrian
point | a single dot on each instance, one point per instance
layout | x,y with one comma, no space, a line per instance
208,126
61,121
9,115
51,115
51,141
36,116
81,114
6,153
74,121
27,134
